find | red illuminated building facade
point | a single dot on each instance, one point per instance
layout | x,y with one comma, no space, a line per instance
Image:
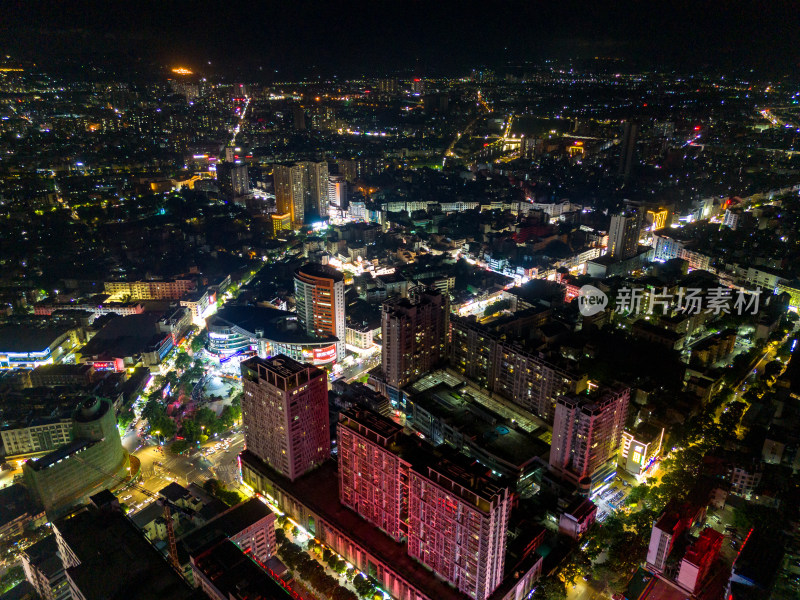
452,513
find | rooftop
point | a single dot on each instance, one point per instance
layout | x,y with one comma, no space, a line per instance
24,338
760,559
235,575
269,323
123,336
59,454
319,270
107,542
229,524
14,503
43,555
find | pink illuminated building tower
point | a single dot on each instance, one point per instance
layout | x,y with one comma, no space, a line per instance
285,414
587,433
452,513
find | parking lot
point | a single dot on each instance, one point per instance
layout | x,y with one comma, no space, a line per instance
611,497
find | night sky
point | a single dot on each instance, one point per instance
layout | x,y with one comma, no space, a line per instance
352,38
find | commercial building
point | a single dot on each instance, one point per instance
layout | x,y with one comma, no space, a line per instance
247,330
200,303
27,347
285,414
94,460
123,342
697,562
413,332
97,307
106,557
453,515
319,302
64,374
45,571
640,447
175,322
280,222
587,434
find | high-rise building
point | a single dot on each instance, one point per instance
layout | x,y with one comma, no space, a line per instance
282,177
45,571
106,556
285,414
319,301
233,179
454,514
414,332
302,190
337,191
587,432
380,495
299,117
457,523
290,185
627,152
388,86
318,188
623,236
673,522
701,555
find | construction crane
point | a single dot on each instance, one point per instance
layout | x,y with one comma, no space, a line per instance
165,502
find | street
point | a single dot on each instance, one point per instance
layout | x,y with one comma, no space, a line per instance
160,468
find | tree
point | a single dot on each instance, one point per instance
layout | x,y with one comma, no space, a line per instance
199,341
550,588
183,361
280,536
212,486
190,430
230,414
577,566
342,593
773,368
637,494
